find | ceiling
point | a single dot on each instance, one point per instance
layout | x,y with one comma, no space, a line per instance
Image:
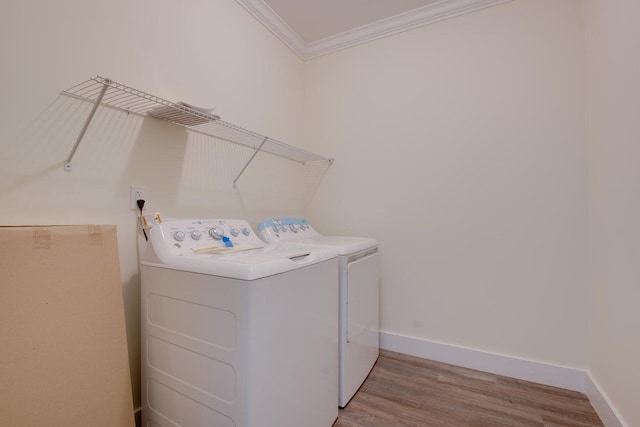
316,27
316,20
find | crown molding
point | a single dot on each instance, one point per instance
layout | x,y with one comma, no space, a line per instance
270,19
425,15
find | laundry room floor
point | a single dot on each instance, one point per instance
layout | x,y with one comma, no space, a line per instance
408,391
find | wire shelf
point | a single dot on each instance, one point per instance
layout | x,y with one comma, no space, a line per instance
106,92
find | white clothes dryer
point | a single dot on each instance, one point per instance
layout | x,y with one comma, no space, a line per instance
235,332
359,336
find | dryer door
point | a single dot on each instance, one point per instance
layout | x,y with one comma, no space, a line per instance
362,300
361,340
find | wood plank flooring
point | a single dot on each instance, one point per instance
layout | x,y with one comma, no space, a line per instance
405,391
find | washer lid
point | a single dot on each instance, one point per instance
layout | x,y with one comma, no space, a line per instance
342,245
246,259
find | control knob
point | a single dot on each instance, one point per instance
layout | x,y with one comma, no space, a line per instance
246,231
178,235
234,231
216,233
195,235
294,228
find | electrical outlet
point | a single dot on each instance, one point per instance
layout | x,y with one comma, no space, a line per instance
138,192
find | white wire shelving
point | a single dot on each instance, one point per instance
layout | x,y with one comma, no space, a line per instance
106,92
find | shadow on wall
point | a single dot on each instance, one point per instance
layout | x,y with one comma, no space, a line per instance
156,157
190,172
38,153
41,147
185,170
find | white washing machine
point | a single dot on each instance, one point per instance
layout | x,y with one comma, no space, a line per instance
359,336
235,332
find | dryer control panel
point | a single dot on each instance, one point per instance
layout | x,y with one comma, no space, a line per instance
286,229
205,235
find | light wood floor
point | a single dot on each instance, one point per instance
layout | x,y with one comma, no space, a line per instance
407,391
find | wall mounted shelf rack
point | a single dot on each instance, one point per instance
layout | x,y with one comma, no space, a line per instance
106,92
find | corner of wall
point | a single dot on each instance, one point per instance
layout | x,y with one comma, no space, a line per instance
601,403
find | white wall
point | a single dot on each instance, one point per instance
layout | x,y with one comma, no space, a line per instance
211,53
613,65
460,147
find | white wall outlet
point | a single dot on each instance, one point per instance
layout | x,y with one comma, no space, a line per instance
138,192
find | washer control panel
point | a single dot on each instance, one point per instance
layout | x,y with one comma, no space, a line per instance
285,229
205,235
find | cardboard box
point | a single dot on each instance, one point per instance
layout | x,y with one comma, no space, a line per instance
63,348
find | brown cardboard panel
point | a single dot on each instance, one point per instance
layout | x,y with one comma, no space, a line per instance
63,349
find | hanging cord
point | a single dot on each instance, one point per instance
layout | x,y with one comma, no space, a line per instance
140,204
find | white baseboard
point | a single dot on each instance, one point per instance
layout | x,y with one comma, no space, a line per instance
543,373
557,376
606,411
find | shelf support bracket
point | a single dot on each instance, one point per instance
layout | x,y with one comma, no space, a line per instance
249,161
67,163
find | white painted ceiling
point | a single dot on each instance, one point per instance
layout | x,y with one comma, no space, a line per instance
316,27
314,20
